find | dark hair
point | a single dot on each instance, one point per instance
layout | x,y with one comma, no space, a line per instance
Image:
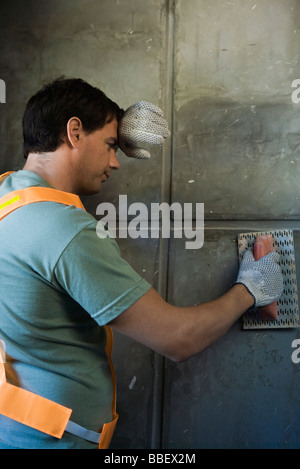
48,111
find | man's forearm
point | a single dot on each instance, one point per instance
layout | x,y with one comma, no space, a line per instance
180,332
204,324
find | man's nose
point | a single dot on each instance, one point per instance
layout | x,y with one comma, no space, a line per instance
114,162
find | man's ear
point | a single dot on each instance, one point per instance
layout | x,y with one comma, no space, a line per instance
74,131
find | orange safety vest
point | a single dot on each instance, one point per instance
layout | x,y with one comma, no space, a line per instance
26,407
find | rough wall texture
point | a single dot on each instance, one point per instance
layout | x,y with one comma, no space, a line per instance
222,71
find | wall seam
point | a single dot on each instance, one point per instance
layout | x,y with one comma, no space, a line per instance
166,196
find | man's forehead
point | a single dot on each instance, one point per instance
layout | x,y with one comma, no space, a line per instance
112,125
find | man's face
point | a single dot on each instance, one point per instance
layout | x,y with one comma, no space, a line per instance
97,158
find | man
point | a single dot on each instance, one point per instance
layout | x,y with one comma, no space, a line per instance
60,283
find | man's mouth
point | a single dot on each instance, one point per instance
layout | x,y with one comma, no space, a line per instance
106,174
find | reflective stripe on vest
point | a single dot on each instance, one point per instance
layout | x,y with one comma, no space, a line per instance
29,408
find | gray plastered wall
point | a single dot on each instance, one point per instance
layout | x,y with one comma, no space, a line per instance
222,72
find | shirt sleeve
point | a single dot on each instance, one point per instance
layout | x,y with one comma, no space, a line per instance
92,271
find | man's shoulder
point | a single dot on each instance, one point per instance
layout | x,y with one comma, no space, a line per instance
58,211
60,219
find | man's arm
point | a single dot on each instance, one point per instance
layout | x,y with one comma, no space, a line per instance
180,332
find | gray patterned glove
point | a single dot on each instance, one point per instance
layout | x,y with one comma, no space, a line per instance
263,278
142,122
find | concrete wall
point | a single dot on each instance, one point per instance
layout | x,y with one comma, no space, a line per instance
222,71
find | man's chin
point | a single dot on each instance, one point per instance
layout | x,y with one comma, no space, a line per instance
90,190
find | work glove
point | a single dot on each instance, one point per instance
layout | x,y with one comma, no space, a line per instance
263,278
142,122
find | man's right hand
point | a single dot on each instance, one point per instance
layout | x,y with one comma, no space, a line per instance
262,278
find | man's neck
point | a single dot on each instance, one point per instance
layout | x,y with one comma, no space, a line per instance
47,166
